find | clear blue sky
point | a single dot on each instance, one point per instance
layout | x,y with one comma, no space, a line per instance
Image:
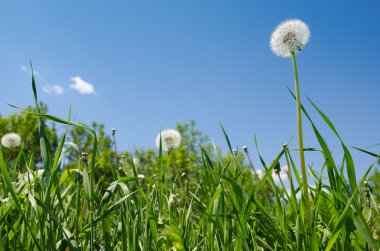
155,63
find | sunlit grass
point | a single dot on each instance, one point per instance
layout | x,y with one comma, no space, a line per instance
223,205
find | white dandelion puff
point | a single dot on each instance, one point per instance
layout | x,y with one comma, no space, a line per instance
170,138
289,36
11,140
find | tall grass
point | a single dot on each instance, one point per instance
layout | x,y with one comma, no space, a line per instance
225,206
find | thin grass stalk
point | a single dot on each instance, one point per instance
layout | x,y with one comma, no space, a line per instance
89,188
77,209
160,176
115,146
305,187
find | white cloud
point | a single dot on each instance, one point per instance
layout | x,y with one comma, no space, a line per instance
53,89
283,174
29,71
283,177
82,86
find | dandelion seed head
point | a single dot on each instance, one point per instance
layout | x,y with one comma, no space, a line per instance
11,140
290,35
170,138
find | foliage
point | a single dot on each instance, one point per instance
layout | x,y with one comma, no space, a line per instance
374,184
25,125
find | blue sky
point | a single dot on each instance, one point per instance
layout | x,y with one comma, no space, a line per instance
152,64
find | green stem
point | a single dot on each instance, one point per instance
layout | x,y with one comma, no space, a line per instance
302,157
77,212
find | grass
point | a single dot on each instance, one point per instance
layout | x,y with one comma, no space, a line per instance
223,206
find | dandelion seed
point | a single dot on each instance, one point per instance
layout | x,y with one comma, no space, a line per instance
11,140
170,138
289,36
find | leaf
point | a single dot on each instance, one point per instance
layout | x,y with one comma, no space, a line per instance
363,229
367,152
349,162
226,137
86,182
32,201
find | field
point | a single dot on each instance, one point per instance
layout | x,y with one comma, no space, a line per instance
185,195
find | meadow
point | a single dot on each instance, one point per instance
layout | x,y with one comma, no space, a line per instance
184,196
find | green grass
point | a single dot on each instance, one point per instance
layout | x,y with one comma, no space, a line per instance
222,206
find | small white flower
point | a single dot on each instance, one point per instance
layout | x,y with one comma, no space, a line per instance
170,138
290,35
11,140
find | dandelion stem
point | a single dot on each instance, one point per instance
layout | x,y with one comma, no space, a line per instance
114,143
251,163
300,142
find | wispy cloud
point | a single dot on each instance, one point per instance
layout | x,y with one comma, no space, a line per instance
82,86
29,71
53,89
